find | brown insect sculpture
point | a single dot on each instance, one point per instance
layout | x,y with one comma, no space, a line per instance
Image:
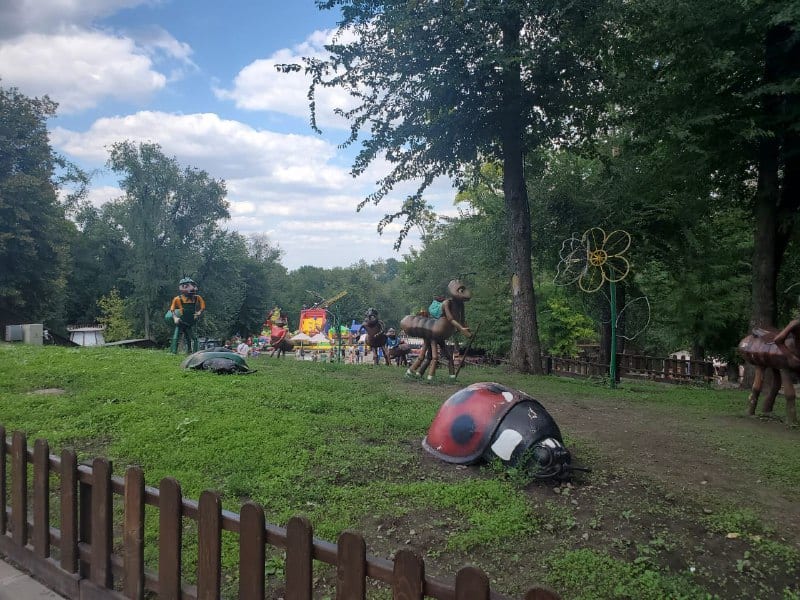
435,332
778,352
376,335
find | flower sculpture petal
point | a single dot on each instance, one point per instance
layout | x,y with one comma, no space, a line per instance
604,260
573,261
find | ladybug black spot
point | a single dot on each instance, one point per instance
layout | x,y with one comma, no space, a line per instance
462,429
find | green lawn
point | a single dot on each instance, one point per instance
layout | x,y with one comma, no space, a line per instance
340,444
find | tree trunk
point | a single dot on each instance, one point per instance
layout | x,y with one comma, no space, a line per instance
147,322
766,255
526,353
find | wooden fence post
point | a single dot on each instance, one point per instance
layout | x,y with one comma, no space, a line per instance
41,498
19,489
472,584
170,535
299,553
102,526
3,522
252,540
409,576
209,546
69,511
540,593
3,487
133,534
351,567
84,524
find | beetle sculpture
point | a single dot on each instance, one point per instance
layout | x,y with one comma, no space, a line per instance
766,348
376,335
487,421
435,332
218,360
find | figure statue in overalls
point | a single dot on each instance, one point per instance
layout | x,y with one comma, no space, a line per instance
186,309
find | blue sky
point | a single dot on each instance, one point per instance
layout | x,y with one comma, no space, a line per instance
198,77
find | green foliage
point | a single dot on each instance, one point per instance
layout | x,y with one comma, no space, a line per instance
112,315
564,328
167,211
34,232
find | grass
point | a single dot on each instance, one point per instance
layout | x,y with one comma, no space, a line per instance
341,445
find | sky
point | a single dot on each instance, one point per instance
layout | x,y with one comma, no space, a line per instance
198,78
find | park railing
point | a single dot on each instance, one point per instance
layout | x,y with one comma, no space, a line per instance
630,366
97,552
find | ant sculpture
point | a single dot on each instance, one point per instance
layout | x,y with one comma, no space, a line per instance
778,352
435,332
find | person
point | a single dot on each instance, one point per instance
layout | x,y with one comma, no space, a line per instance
243,349
186,308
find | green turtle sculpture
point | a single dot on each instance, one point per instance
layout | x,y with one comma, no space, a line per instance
218,360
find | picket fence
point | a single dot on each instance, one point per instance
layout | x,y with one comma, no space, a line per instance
98,559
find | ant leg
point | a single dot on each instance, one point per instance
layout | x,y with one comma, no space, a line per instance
790,394
775,386
758,381
434,359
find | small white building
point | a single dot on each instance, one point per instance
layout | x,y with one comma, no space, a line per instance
87,335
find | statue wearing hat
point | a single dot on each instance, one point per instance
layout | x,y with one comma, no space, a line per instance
185,310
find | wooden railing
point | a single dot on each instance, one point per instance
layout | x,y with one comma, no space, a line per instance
669,370
98,559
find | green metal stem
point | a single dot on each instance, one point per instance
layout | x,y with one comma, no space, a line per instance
613,365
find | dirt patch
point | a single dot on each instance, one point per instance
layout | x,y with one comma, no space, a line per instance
662,496
49,391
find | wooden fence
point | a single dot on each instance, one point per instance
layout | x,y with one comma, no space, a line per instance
668,370
98,559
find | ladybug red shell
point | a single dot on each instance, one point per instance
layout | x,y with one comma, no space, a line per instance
467,422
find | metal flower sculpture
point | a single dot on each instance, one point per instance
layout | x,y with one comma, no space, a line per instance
604,258
592,260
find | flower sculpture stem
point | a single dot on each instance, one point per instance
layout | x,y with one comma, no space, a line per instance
613,358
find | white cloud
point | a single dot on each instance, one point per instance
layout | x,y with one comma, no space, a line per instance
21,16
99,195
225,148
78,68
260,86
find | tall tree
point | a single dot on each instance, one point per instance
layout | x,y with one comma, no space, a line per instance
440,85
33,228
165,213
716,79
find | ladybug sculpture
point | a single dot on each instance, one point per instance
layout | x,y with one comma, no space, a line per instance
487,420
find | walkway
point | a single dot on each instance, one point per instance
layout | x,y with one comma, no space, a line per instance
16,585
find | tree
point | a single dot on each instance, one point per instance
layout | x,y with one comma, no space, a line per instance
34,255
166,213
716,80
441,85
112,308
